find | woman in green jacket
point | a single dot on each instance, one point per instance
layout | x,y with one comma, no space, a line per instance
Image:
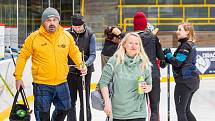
126,67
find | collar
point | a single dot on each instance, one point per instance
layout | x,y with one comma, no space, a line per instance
130,61
183,40
51,36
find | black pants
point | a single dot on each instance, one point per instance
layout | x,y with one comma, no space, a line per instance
137,119
75,84
154,97
183,96
58,115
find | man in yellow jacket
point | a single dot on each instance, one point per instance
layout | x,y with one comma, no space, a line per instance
49,48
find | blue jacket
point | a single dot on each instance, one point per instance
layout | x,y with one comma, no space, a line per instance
183,63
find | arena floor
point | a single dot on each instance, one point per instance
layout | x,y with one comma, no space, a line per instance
203,103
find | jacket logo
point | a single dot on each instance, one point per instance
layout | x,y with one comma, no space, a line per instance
43,44
62,45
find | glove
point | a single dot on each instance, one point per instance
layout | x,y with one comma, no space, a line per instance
163,63
167,50
167,61
168,54
150,27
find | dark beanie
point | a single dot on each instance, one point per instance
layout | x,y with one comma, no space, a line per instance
140,21
50,12
77,20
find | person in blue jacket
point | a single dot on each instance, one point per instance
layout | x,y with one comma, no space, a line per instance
184,71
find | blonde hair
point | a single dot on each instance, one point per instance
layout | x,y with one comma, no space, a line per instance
189,27
120,53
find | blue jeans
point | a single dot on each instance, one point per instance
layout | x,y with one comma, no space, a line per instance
45,95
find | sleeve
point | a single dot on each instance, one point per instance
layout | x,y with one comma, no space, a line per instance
159,53
107,74
25,53
74,53
92,47
181,55
148,76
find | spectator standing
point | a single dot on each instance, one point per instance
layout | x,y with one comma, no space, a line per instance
113,36
86,41
154,51
49,48
129,64
184,71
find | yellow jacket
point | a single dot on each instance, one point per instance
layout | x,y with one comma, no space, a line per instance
49,53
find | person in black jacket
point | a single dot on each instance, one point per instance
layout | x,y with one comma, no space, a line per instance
184,71
154,51
113,36
86,41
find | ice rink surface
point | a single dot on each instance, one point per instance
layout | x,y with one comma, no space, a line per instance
203,104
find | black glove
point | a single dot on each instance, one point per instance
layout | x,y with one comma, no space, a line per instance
163,63
167,61
167,50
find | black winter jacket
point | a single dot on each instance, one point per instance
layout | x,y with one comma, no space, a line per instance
83,42
153,50
183,64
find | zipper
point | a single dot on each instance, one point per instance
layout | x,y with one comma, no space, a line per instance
179,99
54,50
